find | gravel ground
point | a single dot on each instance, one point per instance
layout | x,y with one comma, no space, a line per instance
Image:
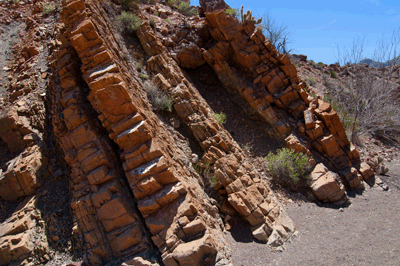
365,233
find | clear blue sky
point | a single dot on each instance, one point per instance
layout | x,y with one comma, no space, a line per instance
320,26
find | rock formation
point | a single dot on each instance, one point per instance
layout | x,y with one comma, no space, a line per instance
133,190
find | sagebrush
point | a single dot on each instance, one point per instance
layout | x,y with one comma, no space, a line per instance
159,100
129,21
287,166
184,7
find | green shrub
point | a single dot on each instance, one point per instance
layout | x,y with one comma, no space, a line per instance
48,8
159,100
287,166
333,74
129,21
232,12
311,81
220,117
183,7
152,22
143,76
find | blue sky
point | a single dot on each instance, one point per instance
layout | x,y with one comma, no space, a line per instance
318,27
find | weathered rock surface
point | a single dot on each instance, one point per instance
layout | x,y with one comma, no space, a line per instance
326,185
134,193
23,234
174,210
276,93
247,193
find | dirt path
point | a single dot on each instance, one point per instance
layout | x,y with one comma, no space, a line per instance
365,233
8,38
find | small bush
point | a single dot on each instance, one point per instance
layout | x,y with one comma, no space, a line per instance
143,76
159,100
152,22
139,66
168,20
247,147
232,12
183,7
311,81
220,117
129,21
287,166
333,74
49,8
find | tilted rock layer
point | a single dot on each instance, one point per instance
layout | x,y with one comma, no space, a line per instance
134,193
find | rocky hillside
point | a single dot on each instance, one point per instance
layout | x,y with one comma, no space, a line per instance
113,149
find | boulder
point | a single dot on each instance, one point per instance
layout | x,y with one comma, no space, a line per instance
326,185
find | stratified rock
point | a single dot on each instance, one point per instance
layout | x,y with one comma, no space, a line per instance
23,235
21,178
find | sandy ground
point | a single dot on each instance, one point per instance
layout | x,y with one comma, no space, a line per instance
365,233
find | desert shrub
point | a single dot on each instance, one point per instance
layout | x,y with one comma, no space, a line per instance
143,76
152,22
158,99
48,8
366,97
220,117
278,34
287,166
184,7
247,147
321,64
333,74
311,81
234,12
129,21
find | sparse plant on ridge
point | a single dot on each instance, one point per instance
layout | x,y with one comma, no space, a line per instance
278,34
333,74
184,7
287,166
159,100
48,8
220,117
129,21
232,12
311,81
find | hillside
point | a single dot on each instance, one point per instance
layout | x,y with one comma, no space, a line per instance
134,133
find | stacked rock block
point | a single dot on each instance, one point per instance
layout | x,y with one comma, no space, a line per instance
246,192
172,204
20,179
248,64
23,234
102,205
